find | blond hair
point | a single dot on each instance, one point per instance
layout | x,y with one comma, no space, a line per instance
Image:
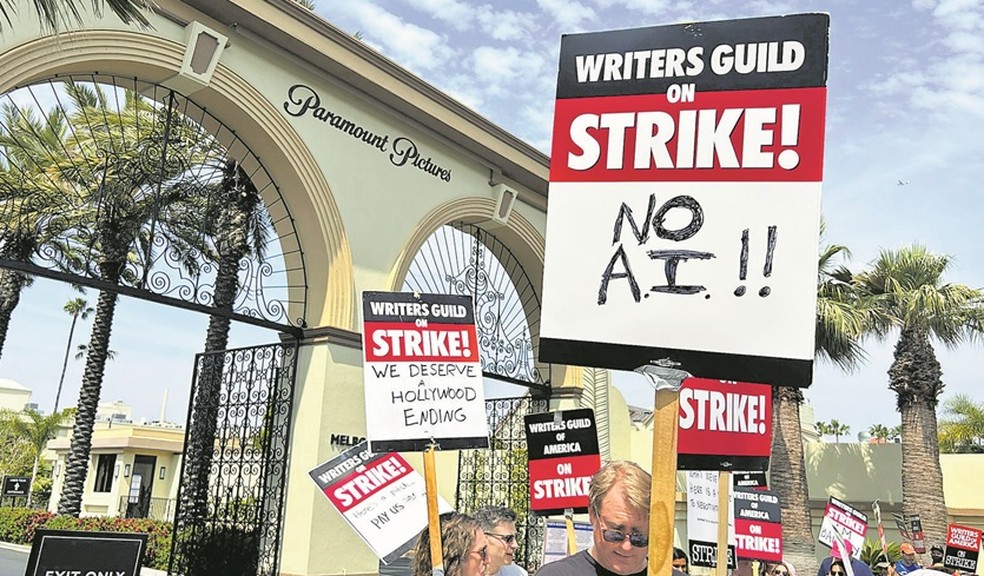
634,483
457,538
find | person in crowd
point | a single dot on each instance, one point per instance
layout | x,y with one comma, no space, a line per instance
783,568
836,554
837,568
936,557
499,525
680,560
907,563
463,544
618,508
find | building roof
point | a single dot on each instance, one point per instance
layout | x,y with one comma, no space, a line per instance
8,384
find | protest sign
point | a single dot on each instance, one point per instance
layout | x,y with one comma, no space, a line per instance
702,519
963,546
758,525
849,522
724,425
755,479
563,456
555,539
423,377
380,495
918,539
902,523
685,195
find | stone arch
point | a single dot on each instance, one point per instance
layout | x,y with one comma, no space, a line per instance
237,104
519,235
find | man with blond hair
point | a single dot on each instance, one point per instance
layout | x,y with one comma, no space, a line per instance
618,507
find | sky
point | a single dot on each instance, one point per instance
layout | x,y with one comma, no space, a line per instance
905,116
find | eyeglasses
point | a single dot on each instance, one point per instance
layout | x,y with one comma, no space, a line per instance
506,539
637,540
482,552
780,571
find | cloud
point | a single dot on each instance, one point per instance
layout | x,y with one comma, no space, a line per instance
413,46
506,25
568,15
452,12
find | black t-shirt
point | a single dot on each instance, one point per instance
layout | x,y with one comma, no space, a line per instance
584,564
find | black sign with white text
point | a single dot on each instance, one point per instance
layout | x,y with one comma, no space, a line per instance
16,485
563,456
72,552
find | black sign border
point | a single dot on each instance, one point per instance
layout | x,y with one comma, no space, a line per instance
41,533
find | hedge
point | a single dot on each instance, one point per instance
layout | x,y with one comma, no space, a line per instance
18,525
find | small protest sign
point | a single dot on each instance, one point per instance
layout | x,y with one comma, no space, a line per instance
555,539
724,425
380,495
56,552
748,480
849,522
758,525
685,182
423,376
963,546
563,456
902,523
702,519
918,539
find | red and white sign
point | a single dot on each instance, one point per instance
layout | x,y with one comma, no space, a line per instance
422,372
963,546
724,425
684,209
563,453
849,522
758,525
380,495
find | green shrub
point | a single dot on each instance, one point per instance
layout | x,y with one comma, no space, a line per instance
18,525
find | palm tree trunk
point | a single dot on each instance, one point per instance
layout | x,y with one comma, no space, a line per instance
788,479
34,476
77,465
11,283
68,350
915,376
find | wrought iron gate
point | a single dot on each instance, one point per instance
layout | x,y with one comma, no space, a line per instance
231,497
499,476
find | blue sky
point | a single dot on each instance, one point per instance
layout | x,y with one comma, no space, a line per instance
905,102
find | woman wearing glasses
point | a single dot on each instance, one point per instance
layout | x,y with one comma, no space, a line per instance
782,569
464,546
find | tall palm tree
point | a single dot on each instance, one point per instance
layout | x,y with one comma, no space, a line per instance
236,222
909,291
879,431
55,14
78,308
36,429
30,201
962,429
127,186
841,318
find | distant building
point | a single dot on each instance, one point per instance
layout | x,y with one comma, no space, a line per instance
13,396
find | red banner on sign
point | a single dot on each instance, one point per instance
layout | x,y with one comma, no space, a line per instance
363,482
559,483
759,540
724,425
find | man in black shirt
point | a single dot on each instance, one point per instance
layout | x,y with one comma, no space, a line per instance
618,507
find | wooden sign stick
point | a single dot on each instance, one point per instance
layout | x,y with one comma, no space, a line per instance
724,488
571,538
662,507
433,513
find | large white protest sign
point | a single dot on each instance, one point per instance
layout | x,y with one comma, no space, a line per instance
381,497
422,373
844,520
685,198
702,519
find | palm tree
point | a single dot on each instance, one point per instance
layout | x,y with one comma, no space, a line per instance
841,318
54,14
77,307
236,221
962,429
908,289
879,431
127,186
36,429
30,202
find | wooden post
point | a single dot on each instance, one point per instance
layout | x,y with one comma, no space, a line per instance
662,507
433,513
724,489
571,537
